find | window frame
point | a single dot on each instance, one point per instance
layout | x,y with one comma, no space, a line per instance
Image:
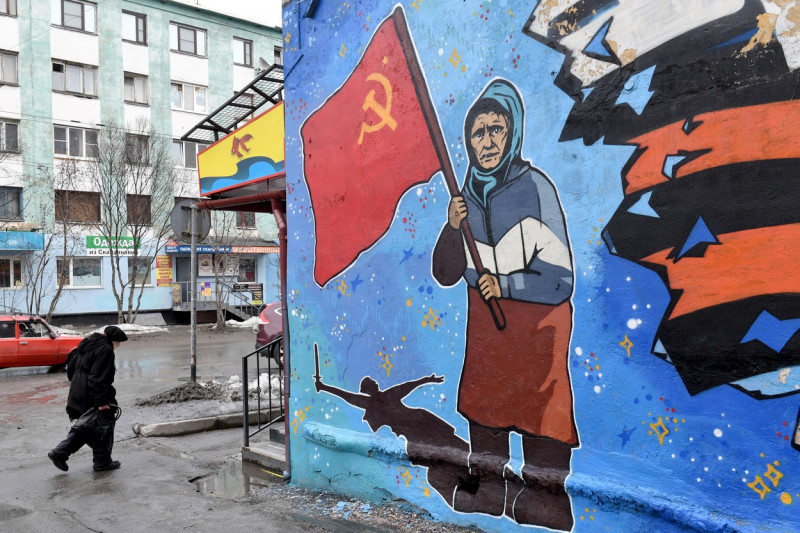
277,54
183,90
177,42
242,219
199,147
66,65
146,90
137,149
12,262
68,140
148,261
61,20
4,202
147,219
71,271
3,55
242,271
138,17
4,124
77,201
247,52
10,8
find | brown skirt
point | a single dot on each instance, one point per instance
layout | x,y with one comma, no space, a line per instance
517,379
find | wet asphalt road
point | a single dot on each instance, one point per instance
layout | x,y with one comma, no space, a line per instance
157,488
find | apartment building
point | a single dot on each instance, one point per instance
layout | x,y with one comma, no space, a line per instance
70,70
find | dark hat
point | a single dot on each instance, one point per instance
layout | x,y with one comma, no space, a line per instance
115,334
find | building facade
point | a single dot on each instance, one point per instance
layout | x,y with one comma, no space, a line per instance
71,71
541,264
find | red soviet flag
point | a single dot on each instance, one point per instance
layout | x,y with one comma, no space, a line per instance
365,147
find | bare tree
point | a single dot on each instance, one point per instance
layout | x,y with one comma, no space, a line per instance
223,237
134,173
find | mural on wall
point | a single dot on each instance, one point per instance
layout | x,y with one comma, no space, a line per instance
518,255
500,211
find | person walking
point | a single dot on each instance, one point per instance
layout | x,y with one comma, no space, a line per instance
91,377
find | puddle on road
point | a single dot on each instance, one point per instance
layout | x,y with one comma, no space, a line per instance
235,480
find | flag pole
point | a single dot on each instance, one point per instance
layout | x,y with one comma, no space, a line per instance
441,150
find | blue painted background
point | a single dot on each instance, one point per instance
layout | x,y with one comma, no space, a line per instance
718,441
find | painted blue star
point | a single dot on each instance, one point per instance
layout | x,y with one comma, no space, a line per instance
407,255
356,282
626,435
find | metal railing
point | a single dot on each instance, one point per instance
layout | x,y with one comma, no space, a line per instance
207,294
273,372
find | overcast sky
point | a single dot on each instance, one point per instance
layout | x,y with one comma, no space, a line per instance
262,11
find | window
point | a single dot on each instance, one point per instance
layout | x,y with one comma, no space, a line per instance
187,39
74,14
139,270
278,55
76,79
245,101
75,142
8,67
137,149
11,273
184,154
10,203
247,270
188,97
134,27
77,206
139,209
9,136
79,271
7,329
8,7
245,219
135,89
242,52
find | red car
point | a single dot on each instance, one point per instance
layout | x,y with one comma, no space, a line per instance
29,341
270,328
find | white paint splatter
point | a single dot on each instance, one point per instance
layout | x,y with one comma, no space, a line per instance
717,432
579,350
597,389
632,324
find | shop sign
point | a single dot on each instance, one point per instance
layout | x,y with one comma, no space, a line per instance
99,245
256,291
163,270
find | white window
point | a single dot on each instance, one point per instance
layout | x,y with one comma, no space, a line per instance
188,97
134,27
8,67
75,142
187,39
242,52
8,7
9,136
74,14
278,55
139,270
10,203
11,273
76,79
79,271
184,154
136,89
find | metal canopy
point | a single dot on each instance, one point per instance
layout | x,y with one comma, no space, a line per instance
266,88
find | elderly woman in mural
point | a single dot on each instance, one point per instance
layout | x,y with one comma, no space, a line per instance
515,379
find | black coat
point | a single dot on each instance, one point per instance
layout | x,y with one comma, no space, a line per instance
91,375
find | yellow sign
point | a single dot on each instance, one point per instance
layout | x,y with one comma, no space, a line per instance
163,270
253,152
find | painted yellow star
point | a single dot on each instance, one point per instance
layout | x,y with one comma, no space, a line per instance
627,344
385,60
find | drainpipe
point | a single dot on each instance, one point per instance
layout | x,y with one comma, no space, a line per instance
280,219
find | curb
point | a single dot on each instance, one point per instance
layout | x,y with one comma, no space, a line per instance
179,428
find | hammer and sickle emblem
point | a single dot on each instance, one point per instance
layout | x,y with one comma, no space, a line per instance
383,112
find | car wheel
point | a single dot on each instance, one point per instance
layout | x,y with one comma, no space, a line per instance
277,354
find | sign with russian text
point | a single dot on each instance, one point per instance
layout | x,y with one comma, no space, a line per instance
163,270
256,291
100,245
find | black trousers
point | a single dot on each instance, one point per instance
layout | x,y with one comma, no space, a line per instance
101,449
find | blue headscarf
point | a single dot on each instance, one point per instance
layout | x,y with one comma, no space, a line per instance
501,92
